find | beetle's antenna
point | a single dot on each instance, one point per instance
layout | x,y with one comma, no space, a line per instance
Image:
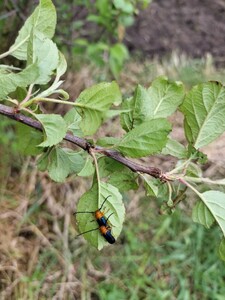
83,212
109,216
87,231
104,202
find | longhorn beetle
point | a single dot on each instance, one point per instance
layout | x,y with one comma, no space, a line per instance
104,227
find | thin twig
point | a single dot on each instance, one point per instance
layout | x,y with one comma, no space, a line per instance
29,93
97,171
82,143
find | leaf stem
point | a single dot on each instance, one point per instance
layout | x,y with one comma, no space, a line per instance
14,101
29,111
35,100
11,50
10,68
29,93
180,167
205,180
170,201
97,172
182,180
179,197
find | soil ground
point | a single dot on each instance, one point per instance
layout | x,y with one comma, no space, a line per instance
194,27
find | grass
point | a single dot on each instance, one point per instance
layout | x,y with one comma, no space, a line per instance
156,257
166,258
176,67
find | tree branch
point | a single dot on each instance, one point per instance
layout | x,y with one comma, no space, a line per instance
82,143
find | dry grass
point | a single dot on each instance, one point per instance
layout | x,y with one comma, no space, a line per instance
35,219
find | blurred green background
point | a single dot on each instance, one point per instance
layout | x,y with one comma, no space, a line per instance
156,256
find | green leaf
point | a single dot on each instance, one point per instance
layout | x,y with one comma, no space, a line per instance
112,113
62,65
151,187
30,48
55,128
43,19
28,140
126,117
91,202
96,18
126,20
193,170
73,120
204,109
222,250
165,97
215,201
91,120
63,162
202,215
43,160
100,96
117,56
197,155
159,101
95,52
175,148
163,190
43,51
93,102
19,94
107,141
166,210
124,5
60,70
146,139
9,82
107,166
137,109
124,181
46,55
88,168
117,174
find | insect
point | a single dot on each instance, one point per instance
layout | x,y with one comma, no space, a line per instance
102,221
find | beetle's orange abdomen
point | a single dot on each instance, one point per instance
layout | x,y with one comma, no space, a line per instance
103,230
106,233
